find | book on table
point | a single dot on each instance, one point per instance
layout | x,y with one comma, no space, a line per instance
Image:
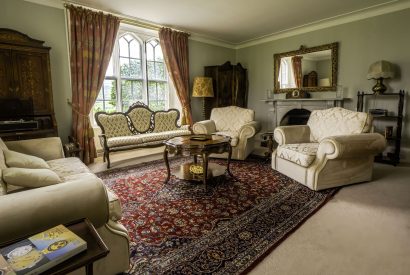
41,251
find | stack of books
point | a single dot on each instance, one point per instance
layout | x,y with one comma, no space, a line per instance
40,252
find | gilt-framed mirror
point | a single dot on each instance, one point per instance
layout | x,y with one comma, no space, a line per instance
311,69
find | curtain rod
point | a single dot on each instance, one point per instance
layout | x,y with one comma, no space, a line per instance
126,19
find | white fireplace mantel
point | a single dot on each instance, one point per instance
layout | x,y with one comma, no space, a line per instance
282,106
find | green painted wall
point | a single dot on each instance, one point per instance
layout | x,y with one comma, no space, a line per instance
201,55
360,44
47,24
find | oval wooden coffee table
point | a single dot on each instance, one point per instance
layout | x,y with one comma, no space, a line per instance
192,145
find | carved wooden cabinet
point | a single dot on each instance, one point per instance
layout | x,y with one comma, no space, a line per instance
25,76
230,85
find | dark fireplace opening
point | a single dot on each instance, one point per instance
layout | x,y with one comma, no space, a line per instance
295,117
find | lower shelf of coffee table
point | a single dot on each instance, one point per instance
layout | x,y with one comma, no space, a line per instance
183,172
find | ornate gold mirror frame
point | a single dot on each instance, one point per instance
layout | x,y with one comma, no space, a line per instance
333,47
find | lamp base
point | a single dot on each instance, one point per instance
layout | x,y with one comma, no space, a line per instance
379,88
205,108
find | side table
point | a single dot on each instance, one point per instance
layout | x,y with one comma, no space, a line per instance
96,249
268,136
72,148
188,146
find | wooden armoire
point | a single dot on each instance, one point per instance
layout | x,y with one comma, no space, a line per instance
230,85
25,88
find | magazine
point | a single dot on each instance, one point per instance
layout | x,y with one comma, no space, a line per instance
42,251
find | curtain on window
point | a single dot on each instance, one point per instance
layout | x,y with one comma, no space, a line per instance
297,70
92,39
174,46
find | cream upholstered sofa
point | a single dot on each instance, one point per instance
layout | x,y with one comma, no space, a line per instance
81,194
136,128
335,148
235,122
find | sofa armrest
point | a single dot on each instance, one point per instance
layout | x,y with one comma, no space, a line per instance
347,146
292,134
204,127
249,129
103,141
29,211
46,148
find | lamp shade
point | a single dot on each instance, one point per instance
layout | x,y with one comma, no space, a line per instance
203,87
380,69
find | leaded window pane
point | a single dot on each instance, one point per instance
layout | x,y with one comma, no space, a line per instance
158,53
135,49
124,47
131,92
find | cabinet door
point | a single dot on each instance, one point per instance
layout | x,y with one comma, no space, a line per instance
6,74
31,77
240,87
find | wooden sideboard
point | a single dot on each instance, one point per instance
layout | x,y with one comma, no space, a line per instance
25,75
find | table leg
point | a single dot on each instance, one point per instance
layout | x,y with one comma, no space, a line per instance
195,159
229,160
167,164
89,269
205,168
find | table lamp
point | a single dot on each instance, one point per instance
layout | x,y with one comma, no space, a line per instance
379,71
203,88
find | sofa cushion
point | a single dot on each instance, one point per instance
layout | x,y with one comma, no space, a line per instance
337,121
165,121
65,167
114,125
302,154
231,118
20,160
125,140
233,135
140,118
163,136
31,178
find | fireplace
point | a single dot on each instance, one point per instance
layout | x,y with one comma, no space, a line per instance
299,109
295,117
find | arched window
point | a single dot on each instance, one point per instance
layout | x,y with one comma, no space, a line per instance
136,72
131,72
157,80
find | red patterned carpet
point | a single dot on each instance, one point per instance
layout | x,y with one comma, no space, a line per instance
179,228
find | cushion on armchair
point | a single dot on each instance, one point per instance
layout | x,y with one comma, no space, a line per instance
337,121
231,118
302,153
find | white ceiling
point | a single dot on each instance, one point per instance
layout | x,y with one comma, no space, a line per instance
235,21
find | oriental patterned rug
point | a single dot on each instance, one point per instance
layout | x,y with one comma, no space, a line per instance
181,228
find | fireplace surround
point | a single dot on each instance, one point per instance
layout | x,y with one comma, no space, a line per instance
281,107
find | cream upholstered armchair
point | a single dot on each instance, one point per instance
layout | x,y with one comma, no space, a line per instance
335,148
235,122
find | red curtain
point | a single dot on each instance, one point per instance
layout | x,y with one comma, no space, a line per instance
174,46
297,70
92,39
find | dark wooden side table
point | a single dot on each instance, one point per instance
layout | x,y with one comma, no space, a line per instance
187,146
72,148
268,136
96,249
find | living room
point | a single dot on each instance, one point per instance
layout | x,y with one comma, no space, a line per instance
363,228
